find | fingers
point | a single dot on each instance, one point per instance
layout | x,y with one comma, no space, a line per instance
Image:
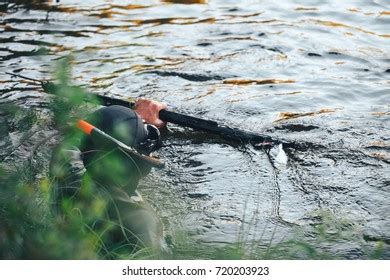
160,124
149,111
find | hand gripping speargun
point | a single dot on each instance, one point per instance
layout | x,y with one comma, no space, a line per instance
225,132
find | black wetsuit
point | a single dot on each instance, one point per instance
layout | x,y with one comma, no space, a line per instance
91,174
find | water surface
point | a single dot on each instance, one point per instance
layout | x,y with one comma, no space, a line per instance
310,71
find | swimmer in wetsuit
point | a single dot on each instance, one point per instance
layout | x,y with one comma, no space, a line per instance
130,222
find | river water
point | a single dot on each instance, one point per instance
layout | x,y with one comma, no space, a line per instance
311,71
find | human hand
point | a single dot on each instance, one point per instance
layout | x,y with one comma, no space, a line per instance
149,111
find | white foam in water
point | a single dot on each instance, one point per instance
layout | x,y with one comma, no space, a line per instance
279,156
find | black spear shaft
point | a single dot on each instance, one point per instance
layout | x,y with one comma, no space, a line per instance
232,134
228,133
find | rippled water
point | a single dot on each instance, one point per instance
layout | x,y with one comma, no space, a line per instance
313,71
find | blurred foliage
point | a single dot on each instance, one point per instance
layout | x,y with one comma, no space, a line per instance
29,228
36,220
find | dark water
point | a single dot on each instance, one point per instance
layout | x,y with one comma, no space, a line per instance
313,71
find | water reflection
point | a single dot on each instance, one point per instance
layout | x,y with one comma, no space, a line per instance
186,1
308,73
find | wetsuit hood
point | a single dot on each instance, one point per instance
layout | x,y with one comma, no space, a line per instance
107,164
